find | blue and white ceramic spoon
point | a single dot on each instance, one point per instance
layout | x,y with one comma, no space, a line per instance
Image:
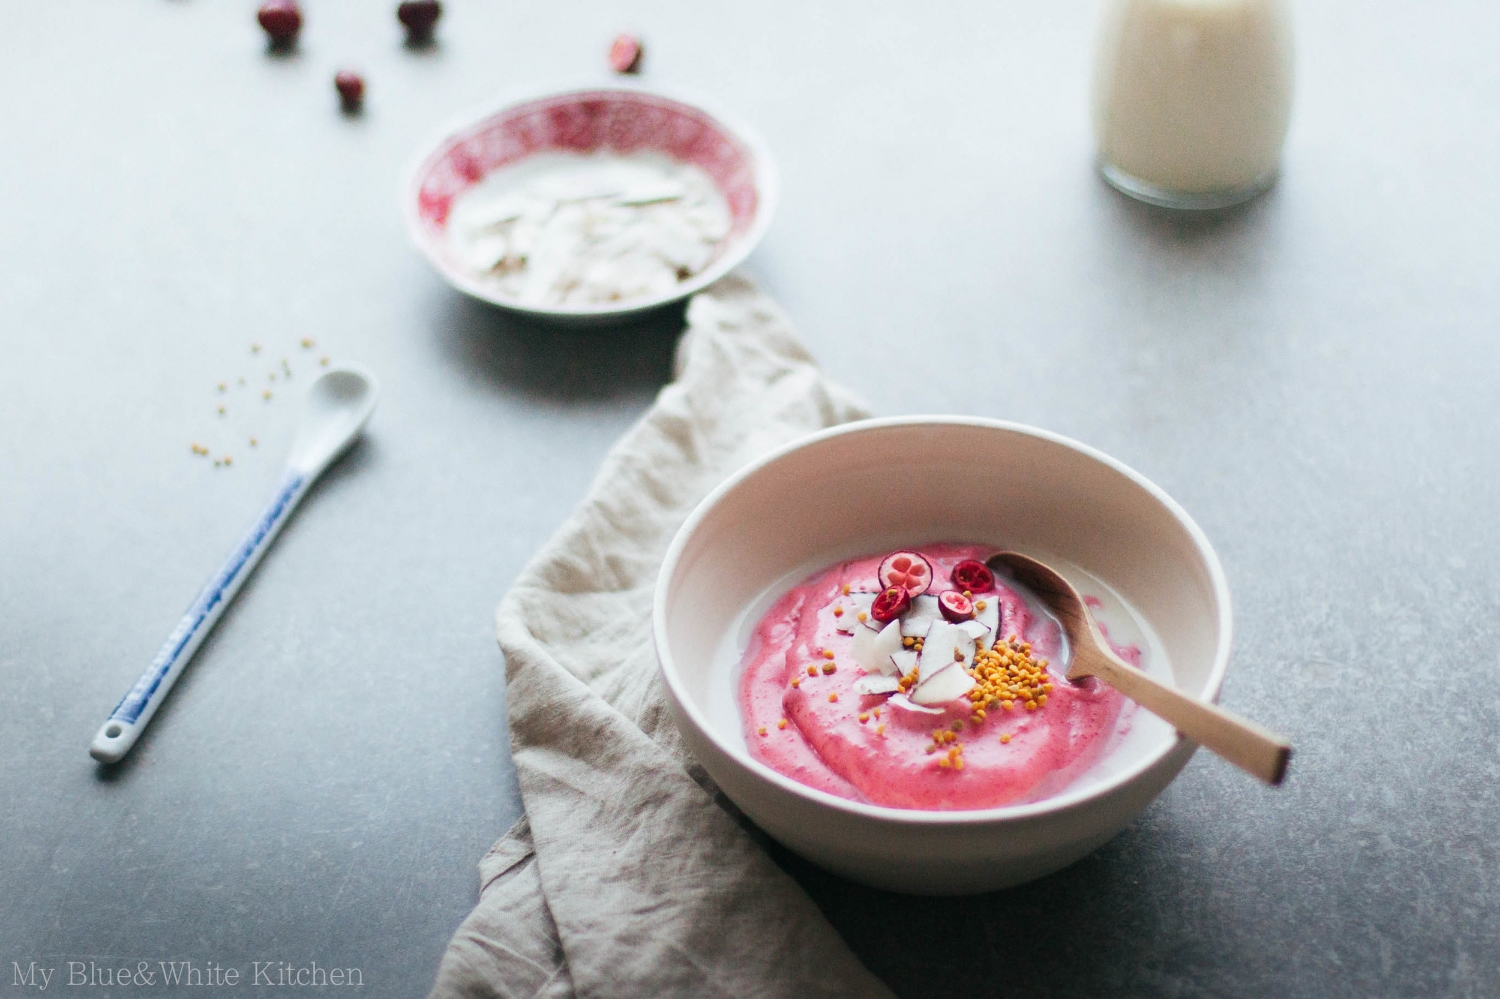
338,406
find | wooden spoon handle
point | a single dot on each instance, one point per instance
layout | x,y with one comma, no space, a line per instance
1252,748
1257,750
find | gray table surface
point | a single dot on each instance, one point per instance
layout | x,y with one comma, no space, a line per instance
1314,377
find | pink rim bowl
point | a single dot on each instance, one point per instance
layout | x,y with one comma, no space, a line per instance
896,483
616,118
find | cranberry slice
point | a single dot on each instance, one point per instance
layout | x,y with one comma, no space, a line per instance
281,19
892,602
974,576
955,606
908,570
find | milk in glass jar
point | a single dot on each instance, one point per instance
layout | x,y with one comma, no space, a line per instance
1192,98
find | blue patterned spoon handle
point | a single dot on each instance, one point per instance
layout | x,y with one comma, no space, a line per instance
126,723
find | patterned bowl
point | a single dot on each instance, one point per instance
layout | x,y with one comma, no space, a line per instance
615,118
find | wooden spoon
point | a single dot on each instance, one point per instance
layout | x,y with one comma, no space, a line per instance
1245,744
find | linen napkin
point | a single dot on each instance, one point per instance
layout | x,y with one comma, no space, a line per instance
626,877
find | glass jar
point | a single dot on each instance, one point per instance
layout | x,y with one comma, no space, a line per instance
1192,98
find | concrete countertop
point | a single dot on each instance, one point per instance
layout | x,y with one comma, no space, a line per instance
1314,377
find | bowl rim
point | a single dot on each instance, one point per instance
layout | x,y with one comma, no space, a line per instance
1068,799
767,193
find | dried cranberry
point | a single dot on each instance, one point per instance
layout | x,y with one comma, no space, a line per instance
908,570
955,606
351,88
281,19
419,17
625,54
974,576
890,604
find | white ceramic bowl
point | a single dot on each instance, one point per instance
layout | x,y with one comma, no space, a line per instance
617,118
897,483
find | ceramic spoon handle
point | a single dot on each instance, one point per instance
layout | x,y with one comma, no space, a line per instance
125,724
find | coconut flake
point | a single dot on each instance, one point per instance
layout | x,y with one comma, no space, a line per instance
905,661
946,684
975,630
872,650
989,616
562,229
944,645
855,604
868,685
905,704
924,610
652,191
947,653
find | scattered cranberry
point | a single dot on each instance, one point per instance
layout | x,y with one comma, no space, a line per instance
955,606
351,88
974,576
907,570
281,19
890,604
625,54
419,17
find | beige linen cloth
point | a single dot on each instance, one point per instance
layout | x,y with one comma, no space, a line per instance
626,877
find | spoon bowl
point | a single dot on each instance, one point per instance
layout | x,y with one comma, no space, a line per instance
1247,745
337,407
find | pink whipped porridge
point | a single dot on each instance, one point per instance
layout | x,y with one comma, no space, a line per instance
919,679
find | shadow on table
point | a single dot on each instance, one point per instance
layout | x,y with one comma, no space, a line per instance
1094,928
563,363
1213,231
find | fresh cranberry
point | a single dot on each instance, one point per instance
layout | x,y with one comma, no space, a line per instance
625,54
281,19
908,570
974,576
351,88
890,604
955,606
419,17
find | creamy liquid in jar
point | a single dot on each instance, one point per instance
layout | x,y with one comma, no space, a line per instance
1192,98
